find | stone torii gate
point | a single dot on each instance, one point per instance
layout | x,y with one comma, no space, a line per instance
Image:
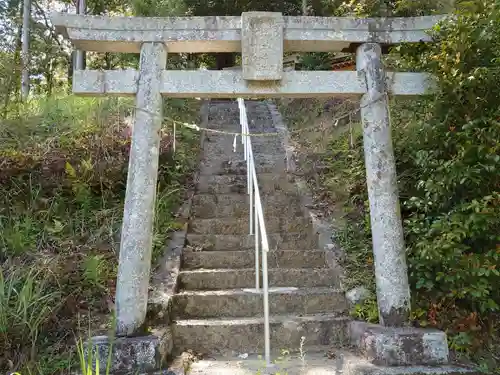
262,38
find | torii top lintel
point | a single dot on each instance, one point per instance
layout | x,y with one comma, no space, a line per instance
224,34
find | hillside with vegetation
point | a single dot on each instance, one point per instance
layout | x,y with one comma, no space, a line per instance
63,175
63,172
448,158
63,168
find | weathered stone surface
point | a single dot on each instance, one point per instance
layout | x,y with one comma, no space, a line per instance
223,34
206,206
245,335
132,354
172,371
390,346
235,167
164,282
241,225
229,184
262,45
391,272
315,363
230,84
220,146
245,278
137,229
357,295
244,303
239,242
228,226
246,259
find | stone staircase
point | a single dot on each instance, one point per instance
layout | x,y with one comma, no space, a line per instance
215,311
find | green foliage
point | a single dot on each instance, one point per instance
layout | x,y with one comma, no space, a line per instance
453,206
26,306
64,168
228,8
88,355
448,159
163,8
366,311
401,8
316,61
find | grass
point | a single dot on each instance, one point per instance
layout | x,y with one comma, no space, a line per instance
63,167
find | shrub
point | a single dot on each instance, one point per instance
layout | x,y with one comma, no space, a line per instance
448,160
452,202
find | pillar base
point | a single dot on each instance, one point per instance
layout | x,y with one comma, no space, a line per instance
141,354
388,346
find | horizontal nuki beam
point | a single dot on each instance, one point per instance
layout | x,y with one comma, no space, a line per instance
223,34
230,84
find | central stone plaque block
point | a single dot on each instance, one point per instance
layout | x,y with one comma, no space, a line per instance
262,46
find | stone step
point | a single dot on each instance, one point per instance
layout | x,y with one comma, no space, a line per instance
222,129
230,225
220,111
207,206
244,303
239,169
318,360
226,184
221,141
246,259
210,242
246,335
222,137
218,146
221,166
226,120
213,279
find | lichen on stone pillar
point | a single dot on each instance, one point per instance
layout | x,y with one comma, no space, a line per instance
391,271
138,217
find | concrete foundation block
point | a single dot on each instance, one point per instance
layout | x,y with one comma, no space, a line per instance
262,46
131,354
387,346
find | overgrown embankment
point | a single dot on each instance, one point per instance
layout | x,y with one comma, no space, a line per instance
448,161
63,171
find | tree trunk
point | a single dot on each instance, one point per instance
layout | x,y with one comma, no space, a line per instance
71,64
25,75
50,77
